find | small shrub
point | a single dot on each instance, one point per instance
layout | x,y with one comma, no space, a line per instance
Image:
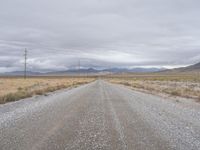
61,86
39,92
19,88
50,89
175,93
149,88
126,83
137,85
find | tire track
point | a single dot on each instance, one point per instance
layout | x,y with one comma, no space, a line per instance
117,123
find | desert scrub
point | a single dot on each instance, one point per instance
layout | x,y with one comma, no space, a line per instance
126,83
138,85
175,93
14,96
182,86
15,88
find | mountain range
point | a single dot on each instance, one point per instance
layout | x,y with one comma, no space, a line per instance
91,71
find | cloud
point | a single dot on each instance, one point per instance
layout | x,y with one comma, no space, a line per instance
100,33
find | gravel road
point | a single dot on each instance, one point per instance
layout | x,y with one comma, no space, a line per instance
100,115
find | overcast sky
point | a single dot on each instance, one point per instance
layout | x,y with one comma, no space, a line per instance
99,33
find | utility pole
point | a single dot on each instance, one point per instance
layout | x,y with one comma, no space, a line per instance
25,62
79,67
79,64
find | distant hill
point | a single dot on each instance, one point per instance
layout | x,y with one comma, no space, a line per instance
189,69
195,67
89,71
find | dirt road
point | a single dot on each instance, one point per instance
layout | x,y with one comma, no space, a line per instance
98,116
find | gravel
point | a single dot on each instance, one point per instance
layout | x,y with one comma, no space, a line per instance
100,115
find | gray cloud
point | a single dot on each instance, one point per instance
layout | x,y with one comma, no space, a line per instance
100,33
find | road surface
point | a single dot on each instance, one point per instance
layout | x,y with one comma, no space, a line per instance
99,116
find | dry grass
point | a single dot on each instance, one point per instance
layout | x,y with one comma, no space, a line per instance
15,88
176,85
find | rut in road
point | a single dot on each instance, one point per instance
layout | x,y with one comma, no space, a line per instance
99,115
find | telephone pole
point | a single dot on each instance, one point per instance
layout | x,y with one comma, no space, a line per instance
25,62
79,67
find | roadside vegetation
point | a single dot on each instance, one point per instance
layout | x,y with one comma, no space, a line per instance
183,85
16,88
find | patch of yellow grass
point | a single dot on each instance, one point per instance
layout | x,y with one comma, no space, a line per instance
12,89
177,85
